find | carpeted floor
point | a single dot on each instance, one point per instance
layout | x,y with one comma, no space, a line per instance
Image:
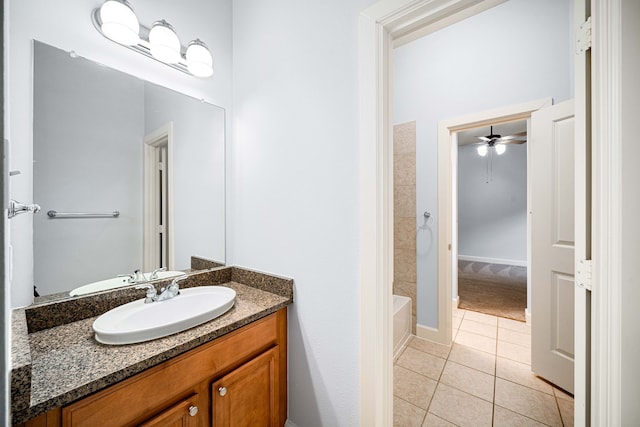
496,289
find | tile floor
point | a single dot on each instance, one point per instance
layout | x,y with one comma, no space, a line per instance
483,379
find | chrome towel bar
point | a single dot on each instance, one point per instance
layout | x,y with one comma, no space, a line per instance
55,214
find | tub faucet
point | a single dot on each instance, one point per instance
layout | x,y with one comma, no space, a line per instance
172,290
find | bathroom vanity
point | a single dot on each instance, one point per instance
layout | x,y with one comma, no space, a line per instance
229,371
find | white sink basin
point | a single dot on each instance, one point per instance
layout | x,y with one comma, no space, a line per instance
138,322
118,282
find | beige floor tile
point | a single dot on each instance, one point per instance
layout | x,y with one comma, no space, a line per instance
455,322
487,319
528,402
514,337
478,328
406,415
468,380
520,373
460,408
430,347
413,387
473,358
566,411
514,325
562,395
476,341
505,418
457,312
514,352
422,363
435,421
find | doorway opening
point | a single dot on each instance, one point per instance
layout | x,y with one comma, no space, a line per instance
158,199
491,220
448,137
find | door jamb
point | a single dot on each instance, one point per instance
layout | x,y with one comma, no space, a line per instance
152,140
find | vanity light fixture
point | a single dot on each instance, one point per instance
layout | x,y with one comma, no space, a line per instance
117,21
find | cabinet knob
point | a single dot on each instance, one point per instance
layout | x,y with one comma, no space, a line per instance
222,391
193,410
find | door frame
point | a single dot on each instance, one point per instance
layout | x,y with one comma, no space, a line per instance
151,141
447,196
395,22
383,26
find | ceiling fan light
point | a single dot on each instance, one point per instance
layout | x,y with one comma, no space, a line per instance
119,22
500,148
165,44
482,150
199,59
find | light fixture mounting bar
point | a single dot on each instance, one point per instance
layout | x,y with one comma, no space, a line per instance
143,46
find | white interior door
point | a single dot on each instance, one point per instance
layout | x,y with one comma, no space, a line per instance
553,243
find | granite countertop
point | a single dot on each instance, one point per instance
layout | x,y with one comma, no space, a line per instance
58,363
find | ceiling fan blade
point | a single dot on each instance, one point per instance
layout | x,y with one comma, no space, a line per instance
510,137
484,138
513,141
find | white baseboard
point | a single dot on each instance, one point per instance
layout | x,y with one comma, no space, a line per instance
487,260
289,423
527,316
431,334
455,303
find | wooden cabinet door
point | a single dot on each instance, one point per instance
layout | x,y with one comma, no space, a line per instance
248,396
182,414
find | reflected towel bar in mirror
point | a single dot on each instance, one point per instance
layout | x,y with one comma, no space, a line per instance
55,214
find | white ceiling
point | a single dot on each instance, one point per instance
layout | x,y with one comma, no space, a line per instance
504,129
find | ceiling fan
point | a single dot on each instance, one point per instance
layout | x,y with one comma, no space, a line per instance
498,142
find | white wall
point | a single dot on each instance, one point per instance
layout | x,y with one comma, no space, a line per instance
492,216
295,186
516,52
630,225
66,24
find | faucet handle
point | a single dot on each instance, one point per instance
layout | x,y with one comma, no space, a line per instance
152,294
174,282
154,274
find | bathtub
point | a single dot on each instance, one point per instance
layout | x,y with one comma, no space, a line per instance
401,323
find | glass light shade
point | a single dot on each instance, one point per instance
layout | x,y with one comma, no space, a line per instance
199,59
119,22
165,44
500,148
482,150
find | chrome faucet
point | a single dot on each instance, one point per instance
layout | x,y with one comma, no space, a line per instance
154,274
172,290
136,277
152,295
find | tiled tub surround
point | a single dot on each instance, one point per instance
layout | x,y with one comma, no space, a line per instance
404,214
56,360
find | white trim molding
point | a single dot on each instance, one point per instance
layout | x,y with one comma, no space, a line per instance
606,297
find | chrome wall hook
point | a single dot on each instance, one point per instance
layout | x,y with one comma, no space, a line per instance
16,208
